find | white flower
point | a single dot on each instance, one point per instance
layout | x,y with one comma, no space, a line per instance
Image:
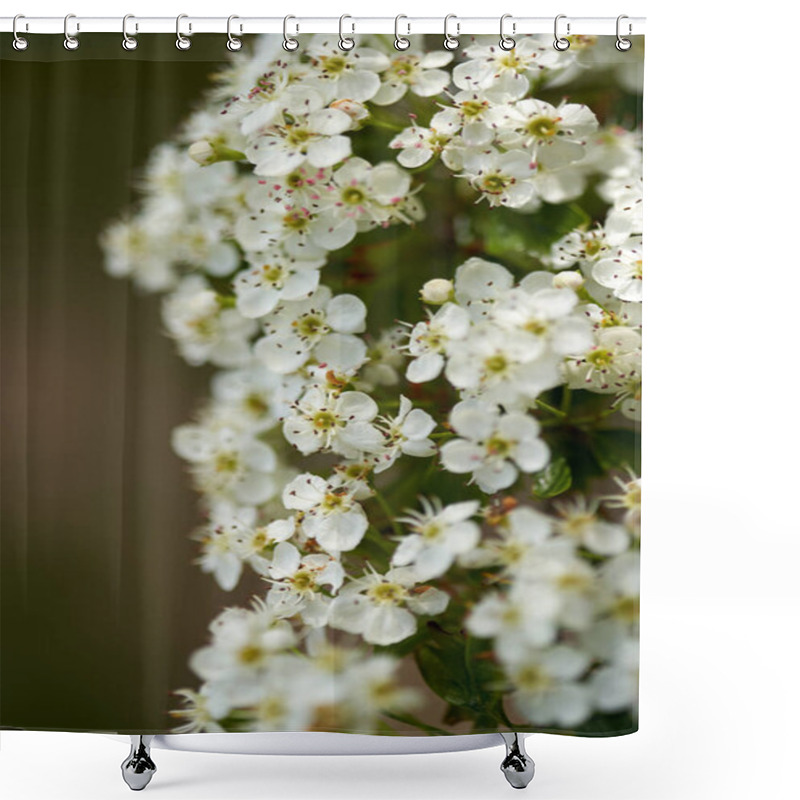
386,359
313,136
555,136
418,71
418,144
134,249
321,326
610,364
379,607
360,196
243,644
297,583
625,217
195,714
428,341
578,247
439,534
407,433
615,686
505,73
352,74
502,178
227,463
253,397
272,277
579,520
516,620
493,446
546,688
629,499
331,515
203,328
520,532
437,291
621,270
340,422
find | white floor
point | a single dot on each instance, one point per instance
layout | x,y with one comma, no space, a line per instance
720,719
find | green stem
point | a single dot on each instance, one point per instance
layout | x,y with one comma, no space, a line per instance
388,511
552,409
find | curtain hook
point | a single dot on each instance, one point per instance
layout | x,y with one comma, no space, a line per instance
129,42
560,42
290,44
507,42
233,43
401,42
450,42
19,43
623,44
346,43
70,42
182,42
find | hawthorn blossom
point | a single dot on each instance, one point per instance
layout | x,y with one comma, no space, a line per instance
331,515
492,446
546,686
405,434
579,520
204,329
272,277
346,73
413,71
621,270
439,534
556,136
341,422
321,326
297,583
428,341
381,608
502,178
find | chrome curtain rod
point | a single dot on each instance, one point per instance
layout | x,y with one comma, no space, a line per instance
463,26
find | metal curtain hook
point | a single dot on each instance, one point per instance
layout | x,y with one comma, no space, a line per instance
290,44
182,42
19,43
623,44
70,42
507,42
401,42
129,42
451,42
560,42
233,44
346,43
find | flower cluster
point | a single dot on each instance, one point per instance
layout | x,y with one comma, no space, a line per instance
387,483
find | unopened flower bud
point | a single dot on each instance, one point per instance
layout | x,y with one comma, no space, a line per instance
569,279
203,153
437,292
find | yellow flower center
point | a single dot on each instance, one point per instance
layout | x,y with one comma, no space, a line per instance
389,593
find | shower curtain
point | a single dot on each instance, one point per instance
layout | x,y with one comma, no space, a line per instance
321,376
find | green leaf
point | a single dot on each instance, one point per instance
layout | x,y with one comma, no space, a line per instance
517,238
617,449
553,480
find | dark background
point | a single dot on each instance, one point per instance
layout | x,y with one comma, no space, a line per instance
100,604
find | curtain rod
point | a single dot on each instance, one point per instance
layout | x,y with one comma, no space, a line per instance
409,25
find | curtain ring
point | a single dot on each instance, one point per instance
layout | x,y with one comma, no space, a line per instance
70,42
290,44
507,42
129,42
346,43
233,43
182,42
401,42
560,42
623,44
19,43
450,42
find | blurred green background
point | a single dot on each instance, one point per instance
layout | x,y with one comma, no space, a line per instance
100,603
